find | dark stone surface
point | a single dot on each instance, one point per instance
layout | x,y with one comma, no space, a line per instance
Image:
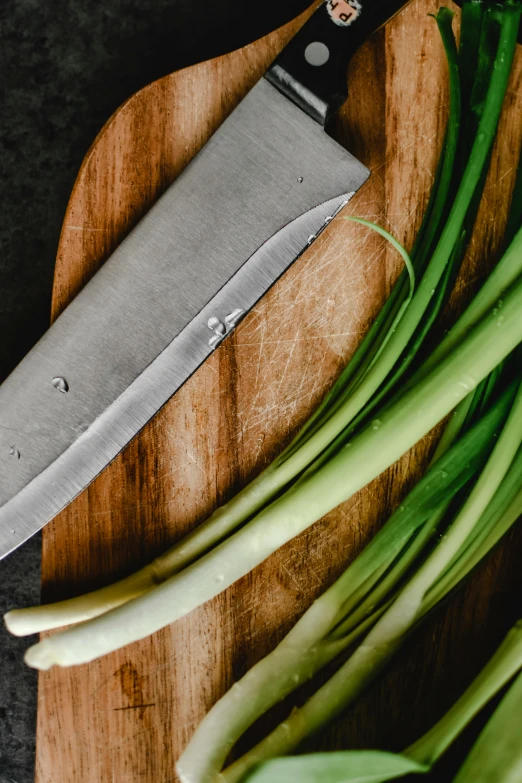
19,586
65,67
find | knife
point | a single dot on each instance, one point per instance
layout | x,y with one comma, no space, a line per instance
253,199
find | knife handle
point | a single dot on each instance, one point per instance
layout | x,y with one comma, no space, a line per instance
311,69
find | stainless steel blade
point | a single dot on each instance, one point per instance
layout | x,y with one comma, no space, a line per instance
234,220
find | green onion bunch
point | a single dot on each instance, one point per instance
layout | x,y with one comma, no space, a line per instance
389,396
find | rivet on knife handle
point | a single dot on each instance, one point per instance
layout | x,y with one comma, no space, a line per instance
311,70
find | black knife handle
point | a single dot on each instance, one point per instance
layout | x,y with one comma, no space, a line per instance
311,70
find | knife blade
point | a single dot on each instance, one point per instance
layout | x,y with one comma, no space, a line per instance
256,195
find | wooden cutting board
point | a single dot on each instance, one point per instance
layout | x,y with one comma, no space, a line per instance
126,717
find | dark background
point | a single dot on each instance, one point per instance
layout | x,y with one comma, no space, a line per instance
64,68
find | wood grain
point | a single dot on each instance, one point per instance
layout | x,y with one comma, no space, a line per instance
126,717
